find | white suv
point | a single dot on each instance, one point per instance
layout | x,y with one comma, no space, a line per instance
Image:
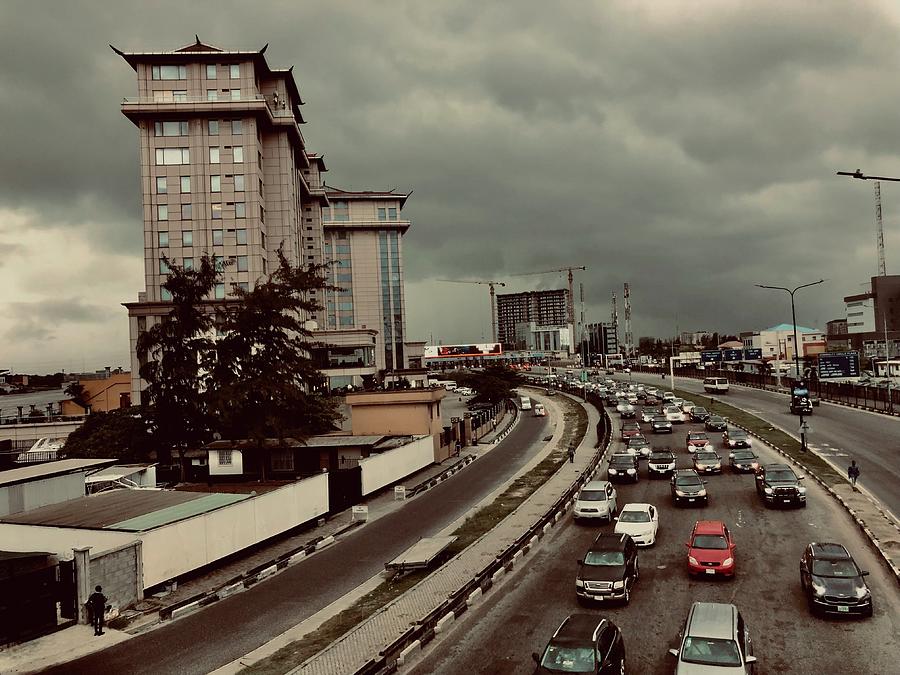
597,499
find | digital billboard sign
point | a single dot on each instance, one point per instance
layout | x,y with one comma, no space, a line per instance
462,351
710,356
732,354
838,364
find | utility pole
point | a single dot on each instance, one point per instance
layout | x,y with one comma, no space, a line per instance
629,337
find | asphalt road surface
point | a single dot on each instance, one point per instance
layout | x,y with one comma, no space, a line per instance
837,433
518,617
226,630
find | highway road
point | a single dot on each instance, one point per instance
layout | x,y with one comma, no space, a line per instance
226,630
837,432
518,617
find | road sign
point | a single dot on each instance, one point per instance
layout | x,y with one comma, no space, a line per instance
805,428
710,356
838,364
753,354
732,354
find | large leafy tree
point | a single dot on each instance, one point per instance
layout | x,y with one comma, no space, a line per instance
123,434
494,384
178,355
266,385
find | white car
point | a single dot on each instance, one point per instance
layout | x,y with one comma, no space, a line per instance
687,407
539,410
668,396
640,521
673,414
597,499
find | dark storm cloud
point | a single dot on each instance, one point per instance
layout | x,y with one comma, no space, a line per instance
686,148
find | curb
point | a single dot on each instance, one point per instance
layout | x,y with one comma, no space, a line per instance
444,475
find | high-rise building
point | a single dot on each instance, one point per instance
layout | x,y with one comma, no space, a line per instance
546,310
225,172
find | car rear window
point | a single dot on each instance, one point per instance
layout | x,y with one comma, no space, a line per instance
592,496
715,542
568,659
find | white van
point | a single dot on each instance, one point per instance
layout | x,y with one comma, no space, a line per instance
539,410
715,385
525,403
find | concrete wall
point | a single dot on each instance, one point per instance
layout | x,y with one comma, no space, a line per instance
236,468
389,467
176,549
34,494
60,540
120,573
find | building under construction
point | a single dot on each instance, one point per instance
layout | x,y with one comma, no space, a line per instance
535,320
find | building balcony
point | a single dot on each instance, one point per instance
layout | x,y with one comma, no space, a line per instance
400,225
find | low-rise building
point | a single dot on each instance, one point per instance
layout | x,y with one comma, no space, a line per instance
100,395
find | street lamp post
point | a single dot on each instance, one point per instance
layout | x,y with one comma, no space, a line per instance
796,346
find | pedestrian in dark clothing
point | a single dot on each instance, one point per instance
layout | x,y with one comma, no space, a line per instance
853,472
96,607
571,454
458,448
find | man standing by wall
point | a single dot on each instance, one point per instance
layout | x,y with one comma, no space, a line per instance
96,607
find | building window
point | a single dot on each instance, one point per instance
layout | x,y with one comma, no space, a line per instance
262,239
185,185
187,238
212,95
240,210
165,294
224,457
234,70
238,154
242,263
236,127
326,214
215,183
214,155
186,211
382,214
218,263
218,238
170,128
162,212
163,239
244,286
241,236
161,188
341,211
262,214
216,211
163,267
238,182
220,291
213,127
235,94
392,214
262,192
169,72
211,71
168,156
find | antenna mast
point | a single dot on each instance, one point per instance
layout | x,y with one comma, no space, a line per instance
629,338
879,228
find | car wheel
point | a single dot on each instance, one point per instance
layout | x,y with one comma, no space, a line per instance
622,666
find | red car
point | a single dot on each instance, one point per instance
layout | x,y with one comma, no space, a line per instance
630,429
698,440
710,550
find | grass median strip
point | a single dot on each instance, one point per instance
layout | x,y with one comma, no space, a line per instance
574,427
770,434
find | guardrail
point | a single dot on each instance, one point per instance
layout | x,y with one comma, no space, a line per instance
425,629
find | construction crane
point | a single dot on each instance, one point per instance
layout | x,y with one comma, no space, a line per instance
571,303
491,285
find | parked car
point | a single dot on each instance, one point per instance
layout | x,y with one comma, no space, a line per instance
630,429
688,488
710,550
743,461
832,581
583,643
714,639
639,446
640,521
660,463
777,485
661,425
623,467
735,438
715,423
699,414
707,461
597,499
608,570
697,440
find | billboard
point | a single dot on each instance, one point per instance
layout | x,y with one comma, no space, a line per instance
462,351
732,354
753,354
838,364
710,356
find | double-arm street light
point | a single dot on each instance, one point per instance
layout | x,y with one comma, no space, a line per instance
796,345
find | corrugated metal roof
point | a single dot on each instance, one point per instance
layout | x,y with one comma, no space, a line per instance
342,441
48,469
177,512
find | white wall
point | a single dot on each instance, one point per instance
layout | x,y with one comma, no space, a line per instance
234,469
389,467
37,493
60,540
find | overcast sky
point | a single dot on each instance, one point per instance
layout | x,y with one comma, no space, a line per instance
687,148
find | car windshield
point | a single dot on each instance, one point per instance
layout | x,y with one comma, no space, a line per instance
637,443
661,456
592,496
569,659
716,420
710,651
782,475
698,410
834,568
697,436
737,434
744,454
715,542
604,558
688,480
707,456
634,517
659,419
621,460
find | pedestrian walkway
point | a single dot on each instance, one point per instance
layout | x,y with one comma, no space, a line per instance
355,648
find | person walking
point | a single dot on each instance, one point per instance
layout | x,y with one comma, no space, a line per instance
853,473
96,607
572,454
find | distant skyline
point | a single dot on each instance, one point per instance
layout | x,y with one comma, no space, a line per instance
687,148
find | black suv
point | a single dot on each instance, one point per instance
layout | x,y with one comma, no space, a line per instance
660,463
715,423
608,570
688,487
832,582
623,467
777,485
699,414
584,643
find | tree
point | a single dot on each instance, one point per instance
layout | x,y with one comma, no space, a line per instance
76,392
122,434
494,384
176,357
265,384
